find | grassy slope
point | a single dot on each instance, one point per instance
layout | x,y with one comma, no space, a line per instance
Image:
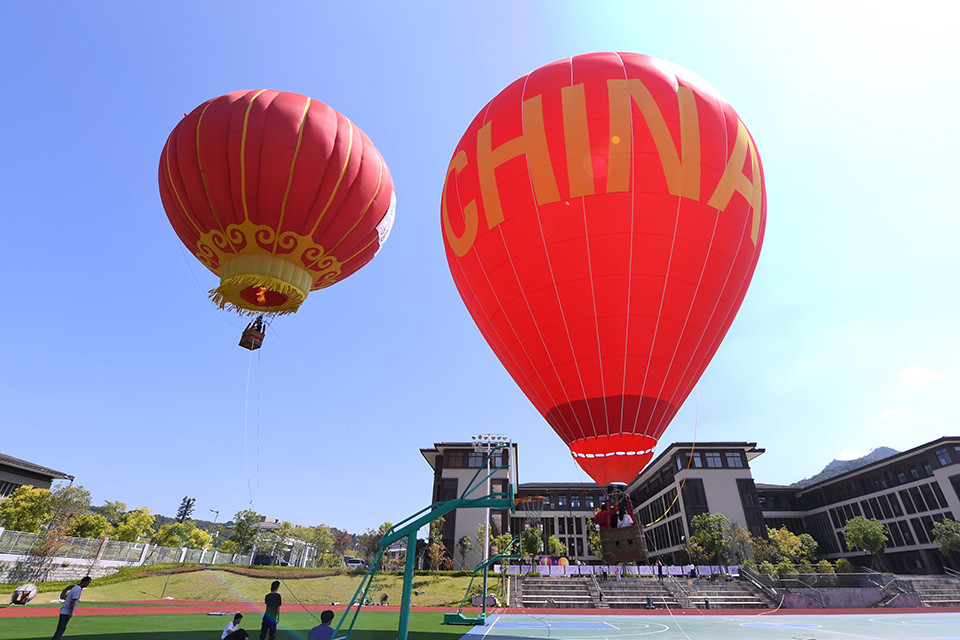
218,585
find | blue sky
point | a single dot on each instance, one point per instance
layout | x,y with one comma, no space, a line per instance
119,371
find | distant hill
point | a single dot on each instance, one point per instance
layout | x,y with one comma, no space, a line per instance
836,467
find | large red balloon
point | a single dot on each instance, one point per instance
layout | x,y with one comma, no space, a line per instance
276,193
602,218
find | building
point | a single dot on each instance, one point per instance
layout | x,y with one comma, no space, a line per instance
14,473
567,513
458,465
908,492
688,479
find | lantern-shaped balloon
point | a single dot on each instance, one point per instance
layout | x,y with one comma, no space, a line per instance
603,217
277,194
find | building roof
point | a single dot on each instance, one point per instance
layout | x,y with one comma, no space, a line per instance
17,463
750,448
881,463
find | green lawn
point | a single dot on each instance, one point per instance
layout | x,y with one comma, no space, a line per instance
225,586
371,625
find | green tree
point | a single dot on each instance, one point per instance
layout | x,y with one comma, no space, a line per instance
181,534
26,509
555,547
321,537
531,541
946,534
89,525
740,543
68,501
793,547
245,529
594,541
464,545
229,546
134,525
868,534
481,533
186,508
113,511
710,533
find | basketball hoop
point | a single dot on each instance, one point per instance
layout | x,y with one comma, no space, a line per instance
532,507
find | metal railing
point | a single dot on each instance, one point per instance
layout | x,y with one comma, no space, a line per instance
765,583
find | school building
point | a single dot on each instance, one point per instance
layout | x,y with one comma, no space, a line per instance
908,492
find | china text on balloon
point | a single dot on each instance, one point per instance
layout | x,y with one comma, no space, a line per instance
682,175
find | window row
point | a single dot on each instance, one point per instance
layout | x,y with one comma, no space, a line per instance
6,488
657,507
465,459
919,499
710,459
665,535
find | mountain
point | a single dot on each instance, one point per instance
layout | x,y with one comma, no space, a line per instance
836,467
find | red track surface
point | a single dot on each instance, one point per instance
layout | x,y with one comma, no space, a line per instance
148,607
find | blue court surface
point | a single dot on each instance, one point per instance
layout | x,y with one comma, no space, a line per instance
895,626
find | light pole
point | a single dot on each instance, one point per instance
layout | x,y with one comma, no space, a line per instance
485,443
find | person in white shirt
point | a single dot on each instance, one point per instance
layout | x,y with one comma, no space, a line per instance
69,606
625,519
232,626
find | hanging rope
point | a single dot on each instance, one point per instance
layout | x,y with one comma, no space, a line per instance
686,470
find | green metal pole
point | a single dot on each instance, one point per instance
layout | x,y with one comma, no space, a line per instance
407,586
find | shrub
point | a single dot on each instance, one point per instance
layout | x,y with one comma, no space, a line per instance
844,566
784,568
767,567
824,566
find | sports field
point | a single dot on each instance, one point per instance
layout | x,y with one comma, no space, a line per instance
192,622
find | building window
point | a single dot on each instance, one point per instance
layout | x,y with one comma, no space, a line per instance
914,473
561,500
590,502
943,457
694,460
575,500
713,460
453,459
901,477
734,461
475,459
6,488
679,463
927,469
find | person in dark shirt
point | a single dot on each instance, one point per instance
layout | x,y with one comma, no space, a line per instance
239,634
272,613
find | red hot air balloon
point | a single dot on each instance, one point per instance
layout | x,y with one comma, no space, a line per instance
276,193
602,218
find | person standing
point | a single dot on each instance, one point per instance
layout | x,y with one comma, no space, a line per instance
69,606
272,613
659,571
322,631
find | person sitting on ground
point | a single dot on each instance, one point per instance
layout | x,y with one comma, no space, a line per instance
239,634
322,631
232,626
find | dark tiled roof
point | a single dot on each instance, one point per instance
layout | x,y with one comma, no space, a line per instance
17,463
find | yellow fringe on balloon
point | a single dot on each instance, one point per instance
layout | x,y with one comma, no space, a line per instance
227,295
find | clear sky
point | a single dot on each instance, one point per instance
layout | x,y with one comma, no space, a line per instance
119,371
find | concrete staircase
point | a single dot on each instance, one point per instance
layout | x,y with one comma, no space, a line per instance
552,593
633,593
936,591
726,593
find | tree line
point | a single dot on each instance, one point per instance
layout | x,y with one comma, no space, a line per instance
66,510
716,541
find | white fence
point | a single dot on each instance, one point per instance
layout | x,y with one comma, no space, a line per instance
679,571
103,556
